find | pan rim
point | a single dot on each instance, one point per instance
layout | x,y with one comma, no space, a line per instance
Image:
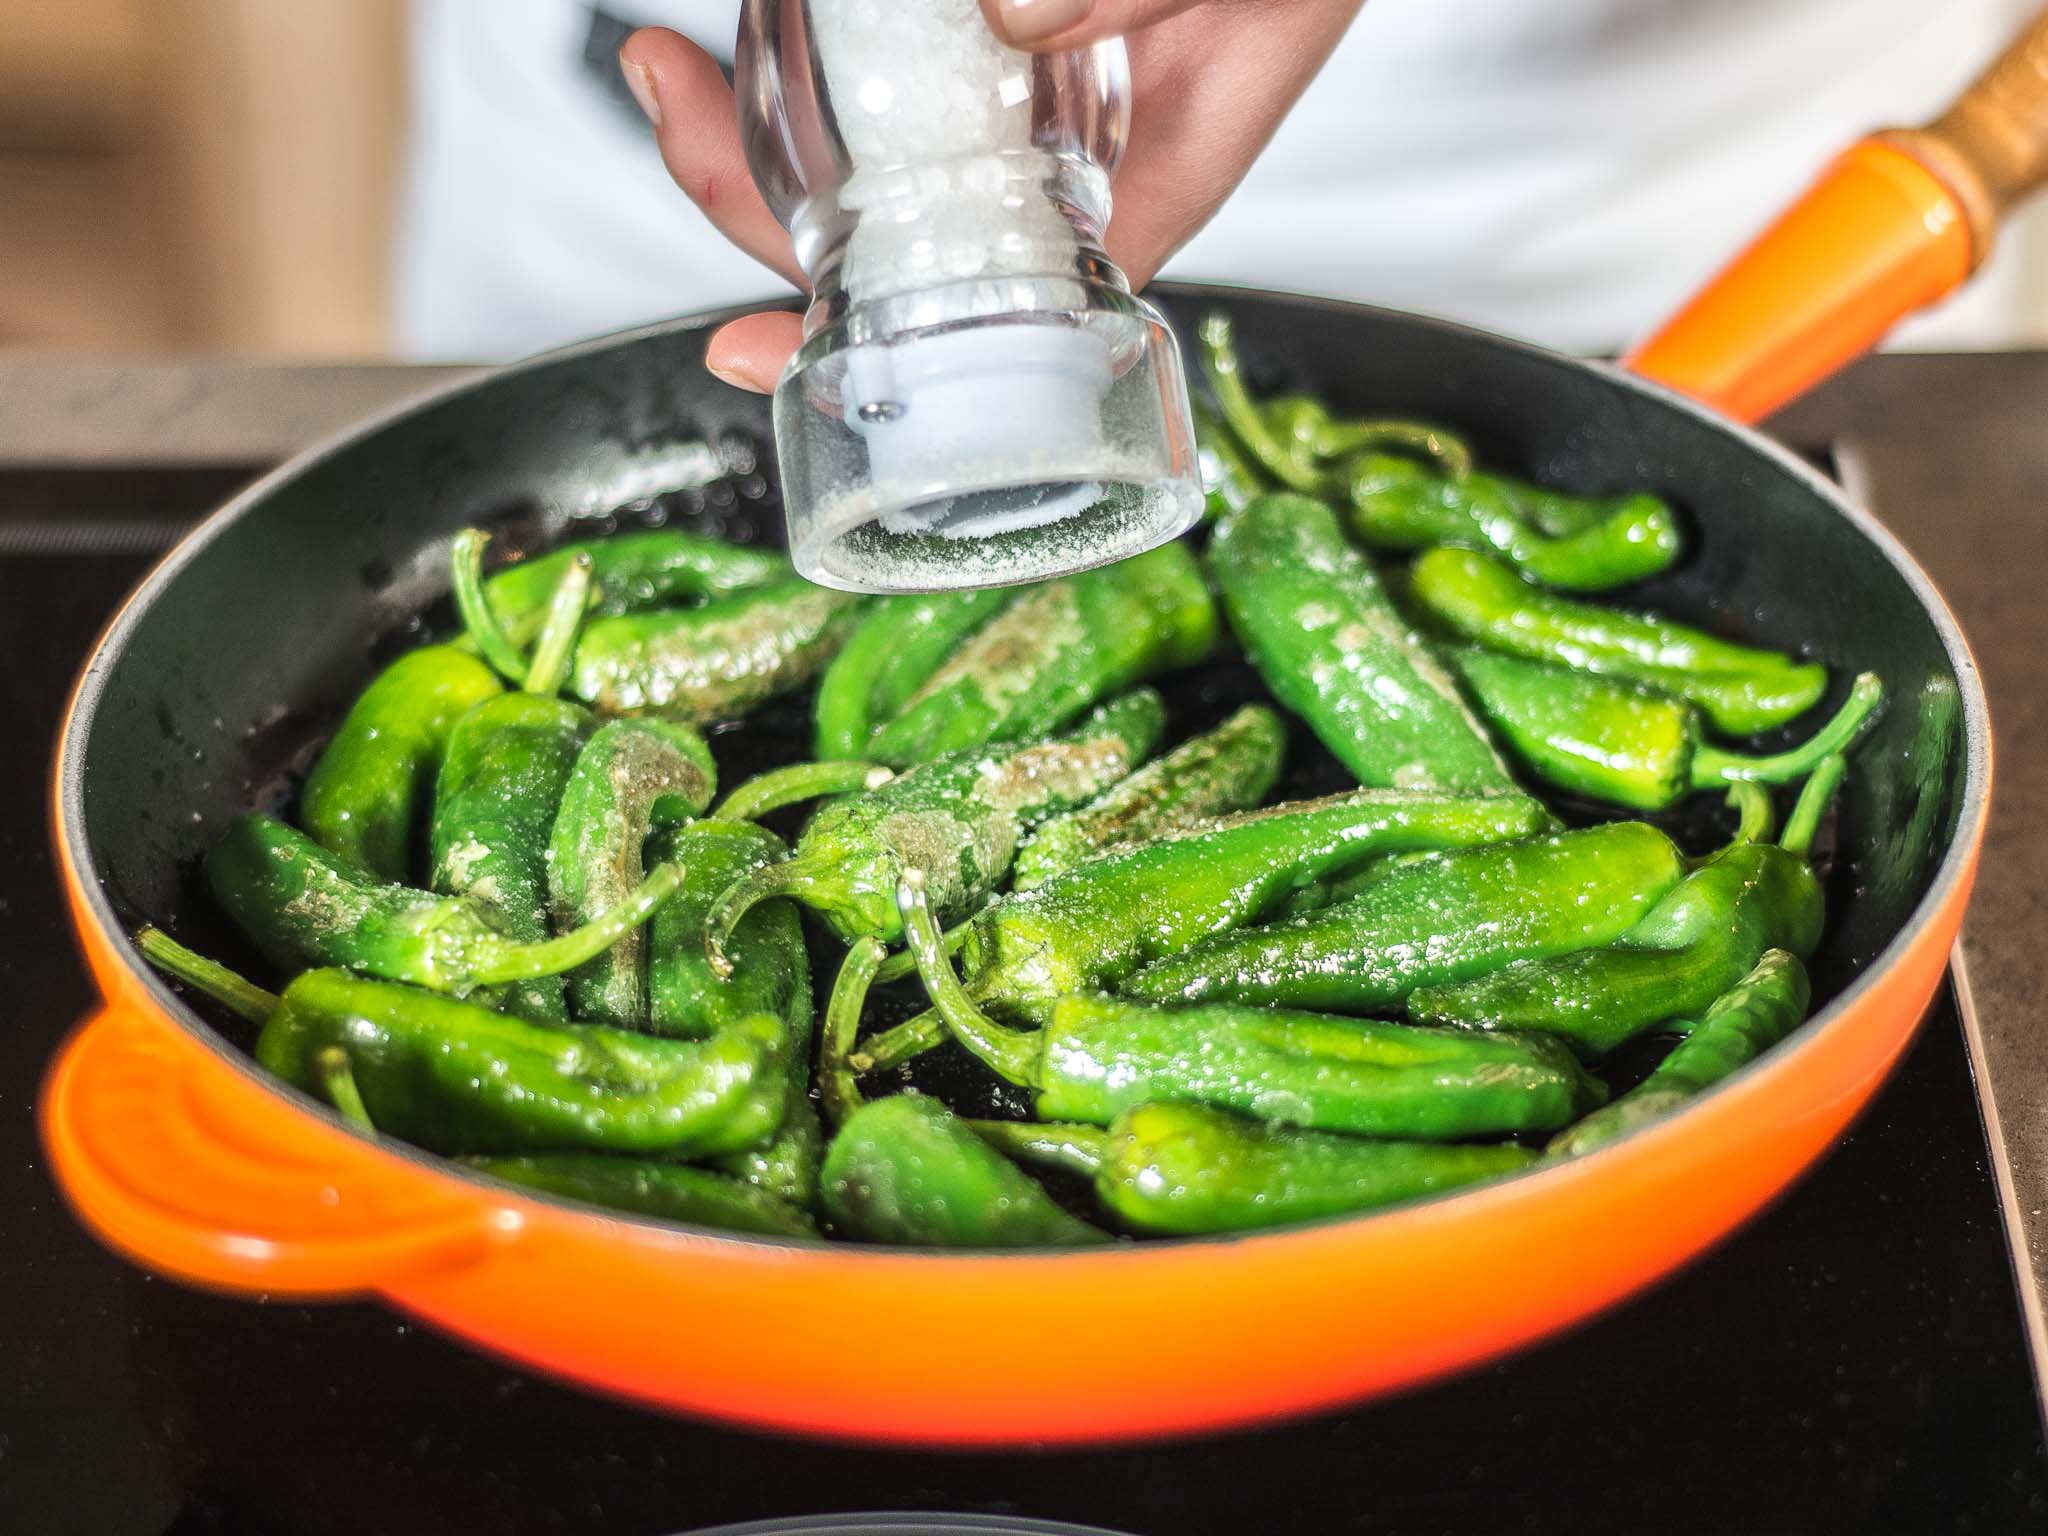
68,822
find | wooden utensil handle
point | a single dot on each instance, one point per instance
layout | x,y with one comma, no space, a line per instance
1991,145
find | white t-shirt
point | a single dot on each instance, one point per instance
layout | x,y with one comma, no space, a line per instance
1563,170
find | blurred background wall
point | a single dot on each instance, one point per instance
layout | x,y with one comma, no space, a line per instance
218,176
207,175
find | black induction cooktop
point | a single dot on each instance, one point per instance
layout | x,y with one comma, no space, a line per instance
1854,1360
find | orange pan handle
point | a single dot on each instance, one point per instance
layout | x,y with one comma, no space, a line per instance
184,1163
1894,224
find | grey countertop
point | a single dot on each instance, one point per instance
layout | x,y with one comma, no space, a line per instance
1950,451
59,411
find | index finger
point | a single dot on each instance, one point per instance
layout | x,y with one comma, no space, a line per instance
1050,26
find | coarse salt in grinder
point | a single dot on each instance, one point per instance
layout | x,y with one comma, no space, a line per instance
979,399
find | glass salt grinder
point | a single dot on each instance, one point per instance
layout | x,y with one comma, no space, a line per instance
979,399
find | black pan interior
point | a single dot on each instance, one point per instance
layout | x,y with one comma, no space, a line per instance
247,644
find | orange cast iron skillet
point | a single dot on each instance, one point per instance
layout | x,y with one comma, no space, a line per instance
214,679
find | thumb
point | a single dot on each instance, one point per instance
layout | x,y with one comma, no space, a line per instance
1053,25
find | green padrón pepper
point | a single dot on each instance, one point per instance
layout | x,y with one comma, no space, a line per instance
1094,925
632,778
1560,514
958,818
1097,1057
1317,623
1316,440
454,1076
786,1167
1629,745
1431,918
771,976
366,795
1695,944
643,1187
1396,503
1740,1025
714,661
632,571
1057,649
906,1170
1739,688
501,781
1188,1169
897,646
771,970
303,906
1231,768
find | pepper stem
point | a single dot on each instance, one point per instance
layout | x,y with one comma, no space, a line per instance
234,992
579,946
1340,439
836,1077
338,1077
1812,804
778,787
892,1047
466,576
1010,1052
1754,813
1240,412
790,877
1711,765
549,667
1078,1148
903,963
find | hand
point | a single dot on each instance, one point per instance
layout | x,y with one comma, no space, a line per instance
1211,80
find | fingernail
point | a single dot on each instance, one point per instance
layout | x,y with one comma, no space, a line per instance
640,81
1031,21
736,380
